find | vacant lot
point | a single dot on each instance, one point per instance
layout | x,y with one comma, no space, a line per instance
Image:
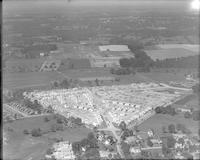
23,147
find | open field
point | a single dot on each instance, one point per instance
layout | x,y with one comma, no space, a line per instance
34,79
24,147
157,121
18,80
164,77
191,101
173,51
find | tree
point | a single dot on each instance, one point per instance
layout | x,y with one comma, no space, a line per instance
196,115
181,140
26,131
171,128
110,156
136,128
92,153
59,120
49,151
166,151
91,136
187,115
125,62
112,71
50,109
46,119
158,110
178,127
126,149
149,142
55,84
199,132
36,132
97,82
122,125
164,129
53,128
170,142
77,121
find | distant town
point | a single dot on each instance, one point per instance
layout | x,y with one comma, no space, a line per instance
94,82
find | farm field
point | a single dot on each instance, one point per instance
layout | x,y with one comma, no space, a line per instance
157,121
165,77
20,80
23,147
191,47
173,51
34,79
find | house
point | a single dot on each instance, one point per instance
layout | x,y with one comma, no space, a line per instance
135,150
104,154
150,133
130,139
179,156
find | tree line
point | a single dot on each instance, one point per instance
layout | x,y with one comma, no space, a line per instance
143,62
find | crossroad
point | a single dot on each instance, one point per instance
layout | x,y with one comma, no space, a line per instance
113,129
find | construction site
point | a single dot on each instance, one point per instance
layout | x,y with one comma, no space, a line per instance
131,103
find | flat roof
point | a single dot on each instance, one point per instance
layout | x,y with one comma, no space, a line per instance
94,78
114,48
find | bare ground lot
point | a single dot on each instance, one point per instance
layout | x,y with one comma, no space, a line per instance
24,147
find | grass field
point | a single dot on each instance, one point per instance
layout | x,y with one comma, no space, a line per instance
18,80
170,53
23,147
34,79
173,51
192,101
157,121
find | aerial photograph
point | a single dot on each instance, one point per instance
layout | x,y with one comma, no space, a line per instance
100,79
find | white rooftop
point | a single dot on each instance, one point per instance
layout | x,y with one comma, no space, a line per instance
114,48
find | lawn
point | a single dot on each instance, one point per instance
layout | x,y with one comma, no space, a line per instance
23,147
157,121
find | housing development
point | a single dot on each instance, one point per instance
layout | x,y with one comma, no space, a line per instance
129,103
96,80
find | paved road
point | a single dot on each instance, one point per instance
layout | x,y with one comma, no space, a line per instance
15,110
24,114
113,129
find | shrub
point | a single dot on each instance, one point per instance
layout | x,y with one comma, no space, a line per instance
36,132
26,131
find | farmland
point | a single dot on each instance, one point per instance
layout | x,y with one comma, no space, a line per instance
173,51
35,79
29,79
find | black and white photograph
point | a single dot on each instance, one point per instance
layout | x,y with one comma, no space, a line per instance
100,79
